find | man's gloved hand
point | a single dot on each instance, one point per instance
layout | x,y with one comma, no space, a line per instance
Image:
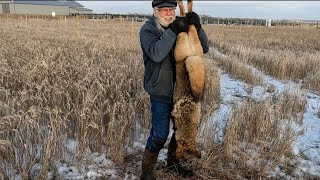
194,20
179,25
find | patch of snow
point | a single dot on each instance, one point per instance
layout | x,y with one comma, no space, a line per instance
71,146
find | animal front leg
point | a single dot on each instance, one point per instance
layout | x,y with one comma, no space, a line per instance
181,150
194,123
183,47
195,41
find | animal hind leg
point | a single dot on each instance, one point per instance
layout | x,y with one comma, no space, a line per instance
190,5
181,7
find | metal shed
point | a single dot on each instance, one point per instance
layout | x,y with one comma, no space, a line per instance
43,7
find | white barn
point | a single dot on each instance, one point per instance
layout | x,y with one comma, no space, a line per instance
43,7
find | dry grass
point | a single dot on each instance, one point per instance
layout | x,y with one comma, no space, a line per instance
299,39
4,149
237,69
259,134
211,101
58,85
80,80
284,53
83,80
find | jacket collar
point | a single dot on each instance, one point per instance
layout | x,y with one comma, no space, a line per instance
153,20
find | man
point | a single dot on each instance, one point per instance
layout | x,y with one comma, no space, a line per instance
157,37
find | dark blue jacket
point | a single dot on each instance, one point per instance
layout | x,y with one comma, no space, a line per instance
157,45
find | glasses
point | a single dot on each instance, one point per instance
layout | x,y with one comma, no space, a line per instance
164,11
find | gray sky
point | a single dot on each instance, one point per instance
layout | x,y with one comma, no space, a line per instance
306,10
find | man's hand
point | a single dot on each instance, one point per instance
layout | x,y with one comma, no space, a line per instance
194,19
179,25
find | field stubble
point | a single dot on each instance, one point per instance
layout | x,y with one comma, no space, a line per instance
83,80
57,85
284,53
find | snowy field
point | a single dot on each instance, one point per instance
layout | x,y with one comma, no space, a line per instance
44,39
306,147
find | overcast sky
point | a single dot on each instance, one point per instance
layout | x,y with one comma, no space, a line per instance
306,10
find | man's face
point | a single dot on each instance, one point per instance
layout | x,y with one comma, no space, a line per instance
165,15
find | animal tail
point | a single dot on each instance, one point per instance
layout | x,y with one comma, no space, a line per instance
196,71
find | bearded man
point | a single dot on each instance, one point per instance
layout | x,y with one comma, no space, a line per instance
157,39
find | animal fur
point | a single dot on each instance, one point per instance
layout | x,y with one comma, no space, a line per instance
189,89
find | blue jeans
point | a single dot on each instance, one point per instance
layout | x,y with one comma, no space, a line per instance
161,114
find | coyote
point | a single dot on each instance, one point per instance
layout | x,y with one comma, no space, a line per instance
189,89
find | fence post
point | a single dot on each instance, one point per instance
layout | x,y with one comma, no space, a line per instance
78,26
132,28
97,22
65,23
293,23
26,19
299,23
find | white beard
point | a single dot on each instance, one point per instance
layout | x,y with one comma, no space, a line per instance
163,22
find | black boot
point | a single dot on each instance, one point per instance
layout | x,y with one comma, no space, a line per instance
149,160
173,163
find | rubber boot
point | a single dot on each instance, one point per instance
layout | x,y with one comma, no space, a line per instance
173,163
149,160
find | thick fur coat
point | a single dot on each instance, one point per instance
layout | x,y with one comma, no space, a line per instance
189,90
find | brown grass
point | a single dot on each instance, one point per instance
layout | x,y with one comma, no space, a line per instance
299,39
211,100
285,53
259,134
80,80
83,80
237,69
57,85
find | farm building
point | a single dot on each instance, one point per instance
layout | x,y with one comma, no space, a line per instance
43,7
